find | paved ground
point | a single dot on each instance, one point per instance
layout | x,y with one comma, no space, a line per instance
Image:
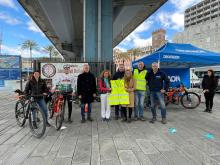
114,142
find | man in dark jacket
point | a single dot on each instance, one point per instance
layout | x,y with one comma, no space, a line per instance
37,86
86,89
158,83
118,75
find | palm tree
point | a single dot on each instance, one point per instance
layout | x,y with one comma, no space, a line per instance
52,51
30,45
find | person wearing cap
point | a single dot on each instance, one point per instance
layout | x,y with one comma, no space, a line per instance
65,84
86,89
37,86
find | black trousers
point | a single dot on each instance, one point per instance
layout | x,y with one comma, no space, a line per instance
124,111
209,96
118,111
68,98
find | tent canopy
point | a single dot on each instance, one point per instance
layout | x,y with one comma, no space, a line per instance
172,55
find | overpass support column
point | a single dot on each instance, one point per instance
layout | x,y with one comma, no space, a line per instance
90,32
105,28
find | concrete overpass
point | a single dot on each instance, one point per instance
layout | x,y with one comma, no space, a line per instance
87,30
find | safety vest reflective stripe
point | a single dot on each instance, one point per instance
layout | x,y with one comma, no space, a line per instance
118,94
140,79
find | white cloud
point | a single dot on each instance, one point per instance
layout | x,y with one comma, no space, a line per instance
140,42
8,19
8,3
33,27
144,26
121,48
134,39
182,5
173,20
24,53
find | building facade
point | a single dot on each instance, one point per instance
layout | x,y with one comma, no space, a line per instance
202,30
158,38
202,12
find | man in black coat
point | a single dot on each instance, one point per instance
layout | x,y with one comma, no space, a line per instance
86,89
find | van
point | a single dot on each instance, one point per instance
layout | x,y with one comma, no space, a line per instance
195,82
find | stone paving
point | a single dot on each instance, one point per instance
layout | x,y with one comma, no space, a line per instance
115,142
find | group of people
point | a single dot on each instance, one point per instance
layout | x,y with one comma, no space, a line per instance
136,84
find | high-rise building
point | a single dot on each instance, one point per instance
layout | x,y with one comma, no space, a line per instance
202,12
202,26
158,38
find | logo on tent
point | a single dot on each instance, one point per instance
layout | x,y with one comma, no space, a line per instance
174,78
171,57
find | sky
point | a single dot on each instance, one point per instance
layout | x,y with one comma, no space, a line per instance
16,27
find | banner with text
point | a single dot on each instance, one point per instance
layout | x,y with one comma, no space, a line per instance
55,70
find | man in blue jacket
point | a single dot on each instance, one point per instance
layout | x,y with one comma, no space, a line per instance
158,83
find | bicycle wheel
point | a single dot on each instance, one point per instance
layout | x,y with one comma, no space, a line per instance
50,109
60,117
37,121
20,113
190,100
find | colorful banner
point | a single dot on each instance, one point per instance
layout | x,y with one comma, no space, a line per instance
55,70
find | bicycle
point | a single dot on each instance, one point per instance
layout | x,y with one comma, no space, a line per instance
189,100
57,107
30,110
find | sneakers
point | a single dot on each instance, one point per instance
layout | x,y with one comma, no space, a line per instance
142,119
70,121
107,120
48,124
153,120
83,120
164,121
124,120
206,110
129,120
210,111
34,125
89,119
135,118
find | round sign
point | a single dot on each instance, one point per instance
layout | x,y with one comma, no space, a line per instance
49,70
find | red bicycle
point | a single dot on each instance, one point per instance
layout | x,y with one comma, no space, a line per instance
189,100
56,108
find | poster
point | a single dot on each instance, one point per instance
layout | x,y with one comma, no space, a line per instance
10,67
55,70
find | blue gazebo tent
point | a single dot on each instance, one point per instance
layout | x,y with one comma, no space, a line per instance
172,55
177,59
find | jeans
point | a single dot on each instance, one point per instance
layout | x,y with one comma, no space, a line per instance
157,96
83,110
43,106
139,103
